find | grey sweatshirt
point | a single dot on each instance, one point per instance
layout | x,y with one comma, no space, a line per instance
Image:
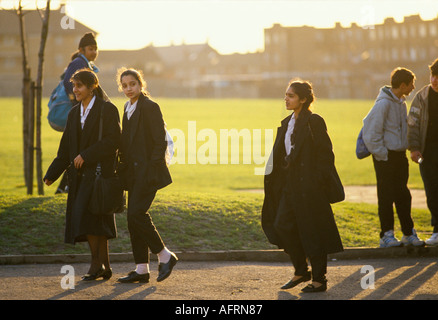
385,126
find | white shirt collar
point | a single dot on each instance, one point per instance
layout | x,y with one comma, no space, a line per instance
290,129
130,108
84,114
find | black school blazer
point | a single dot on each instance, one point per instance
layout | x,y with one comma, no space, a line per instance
143,148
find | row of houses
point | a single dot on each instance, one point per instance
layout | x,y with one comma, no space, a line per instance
341,62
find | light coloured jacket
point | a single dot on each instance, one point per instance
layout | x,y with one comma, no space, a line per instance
385,126
417,120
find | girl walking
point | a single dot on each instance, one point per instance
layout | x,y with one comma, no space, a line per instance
79,152
145,171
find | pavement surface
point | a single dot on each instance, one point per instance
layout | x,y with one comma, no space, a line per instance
356,274
225,283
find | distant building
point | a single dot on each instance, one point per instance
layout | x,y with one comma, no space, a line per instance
60,45
341,62
172,71
350,62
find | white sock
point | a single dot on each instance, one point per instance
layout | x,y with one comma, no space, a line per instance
164,256
142,268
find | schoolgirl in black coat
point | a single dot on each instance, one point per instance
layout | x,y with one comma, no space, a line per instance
79,152
145,171
296,213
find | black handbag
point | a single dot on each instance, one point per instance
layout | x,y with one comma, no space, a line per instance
108,196
333,187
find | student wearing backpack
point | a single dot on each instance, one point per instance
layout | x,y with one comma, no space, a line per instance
83,58
385,136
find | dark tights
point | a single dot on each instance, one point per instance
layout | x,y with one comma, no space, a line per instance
99,252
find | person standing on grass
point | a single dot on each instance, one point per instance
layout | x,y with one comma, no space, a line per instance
385,136
79,152
144,170
423,143
296,214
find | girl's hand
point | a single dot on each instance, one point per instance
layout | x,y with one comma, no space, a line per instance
78,161
48,182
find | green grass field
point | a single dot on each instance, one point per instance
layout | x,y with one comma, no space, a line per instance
202,209
343,118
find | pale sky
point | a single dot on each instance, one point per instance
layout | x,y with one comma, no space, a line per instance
228,25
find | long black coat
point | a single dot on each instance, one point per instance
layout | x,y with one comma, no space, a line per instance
75,140
143,148
304,180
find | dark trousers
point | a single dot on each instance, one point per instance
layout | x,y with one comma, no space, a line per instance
287,229
392,178
144,235
429,174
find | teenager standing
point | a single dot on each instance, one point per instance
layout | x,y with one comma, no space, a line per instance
385,135
297,215
423,143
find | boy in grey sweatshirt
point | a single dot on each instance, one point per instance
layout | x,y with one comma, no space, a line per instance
385,136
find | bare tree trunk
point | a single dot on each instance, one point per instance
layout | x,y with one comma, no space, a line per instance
31,136
39,87
26,92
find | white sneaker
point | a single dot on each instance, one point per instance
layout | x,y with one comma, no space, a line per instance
389,240
412,240
433,240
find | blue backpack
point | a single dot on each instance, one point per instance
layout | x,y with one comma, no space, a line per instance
361,149
60,104
59,107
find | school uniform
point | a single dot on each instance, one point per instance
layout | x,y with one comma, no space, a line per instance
296,213
144,170
85,141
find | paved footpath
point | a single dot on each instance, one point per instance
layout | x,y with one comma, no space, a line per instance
406,277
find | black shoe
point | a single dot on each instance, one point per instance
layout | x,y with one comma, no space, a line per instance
108,273
311,288
135,277
294,283
101,273
165,269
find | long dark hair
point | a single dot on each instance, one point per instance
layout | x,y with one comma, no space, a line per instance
304,90
137,74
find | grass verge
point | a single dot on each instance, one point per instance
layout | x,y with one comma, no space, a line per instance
186,222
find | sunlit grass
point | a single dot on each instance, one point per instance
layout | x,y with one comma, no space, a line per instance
202,209
343,118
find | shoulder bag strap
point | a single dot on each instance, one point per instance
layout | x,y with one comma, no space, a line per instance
99,166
